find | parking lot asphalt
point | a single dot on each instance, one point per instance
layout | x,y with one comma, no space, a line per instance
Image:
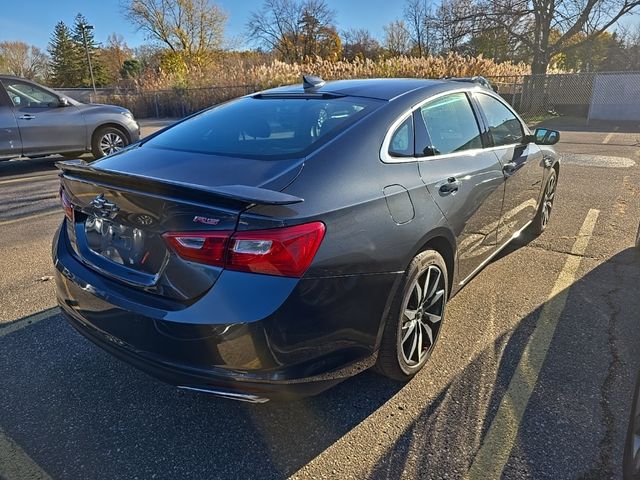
532,377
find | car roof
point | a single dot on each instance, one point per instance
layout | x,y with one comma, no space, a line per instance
379,88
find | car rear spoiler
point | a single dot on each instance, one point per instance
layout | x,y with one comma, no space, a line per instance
79,170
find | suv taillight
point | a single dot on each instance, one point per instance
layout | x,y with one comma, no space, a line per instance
286,251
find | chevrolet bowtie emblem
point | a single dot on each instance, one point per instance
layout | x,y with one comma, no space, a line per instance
104,208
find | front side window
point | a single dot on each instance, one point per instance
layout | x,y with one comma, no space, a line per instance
504,127
27,95
451,125
264,128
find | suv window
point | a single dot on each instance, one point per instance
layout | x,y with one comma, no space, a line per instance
401,144
24,94
451,125
504,127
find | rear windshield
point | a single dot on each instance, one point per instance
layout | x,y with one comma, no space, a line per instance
264,127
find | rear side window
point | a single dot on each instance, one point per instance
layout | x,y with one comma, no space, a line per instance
401,144
504,127
264,128
451,125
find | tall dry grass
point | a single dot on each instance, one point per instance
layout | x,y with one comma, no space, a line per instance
236,70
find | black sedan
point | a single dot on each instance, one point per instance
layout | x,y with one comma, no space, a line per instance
279,243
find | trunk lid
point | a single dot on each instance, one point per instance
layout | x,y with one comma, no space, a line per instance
202,169
119,217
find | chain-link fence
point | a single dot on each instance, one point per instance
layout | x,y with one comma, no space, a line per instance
173,103
601,95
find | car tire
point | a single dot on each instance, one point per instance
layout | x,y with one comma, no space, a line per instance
108,140
407,343
630,467
543,215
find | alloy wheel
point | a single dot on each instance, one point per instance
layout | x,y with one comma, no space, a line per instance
111,142
422,316
549,195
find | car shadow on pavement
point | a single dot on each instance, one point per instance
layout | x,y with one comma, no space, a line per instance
78,412
26,166
576,418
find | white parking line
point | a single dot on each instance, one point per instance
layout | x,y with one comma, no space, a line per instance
27,321
339,452
15,463
609,136
500,438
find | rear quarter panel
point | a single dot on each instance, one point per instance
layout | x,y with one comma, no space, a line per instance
343,185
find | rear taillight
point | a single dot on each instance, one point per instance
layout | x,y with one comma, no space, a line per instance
66,205
281,251
286,251
209,248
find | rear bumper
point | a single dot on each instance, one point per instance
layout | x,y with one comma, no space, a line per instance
257,335
216,381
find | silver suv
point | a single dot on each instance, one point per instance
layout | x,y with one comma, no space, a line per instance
36,121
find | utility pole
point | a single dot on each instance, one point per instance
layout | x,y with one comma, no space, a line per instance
84,28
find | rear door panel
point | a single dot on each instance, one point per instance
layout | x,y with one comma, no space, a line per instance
10,143
473,212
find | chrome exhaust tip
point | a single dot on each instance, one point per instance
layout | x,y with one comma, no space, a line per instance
242,397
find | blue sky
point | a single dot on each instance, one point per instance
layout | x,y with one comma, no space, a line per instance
34,26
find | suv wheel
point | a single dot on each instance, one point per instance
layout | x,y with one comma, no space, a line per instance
415,318
108,140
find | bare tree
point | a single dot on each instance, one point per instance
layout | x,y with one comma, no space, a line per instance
358,42
22,60
293,28
396,38
417,14
454,23
548,27
193,28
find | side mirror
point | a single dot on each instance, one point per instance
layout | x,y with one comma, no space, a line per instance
545,136
64,102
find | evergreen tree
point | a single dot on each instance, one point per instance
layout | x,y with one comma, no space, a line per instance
65,61
99,72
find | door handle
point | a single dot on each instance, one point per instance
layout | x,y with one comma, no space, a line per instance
451,185
27,116
511,168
